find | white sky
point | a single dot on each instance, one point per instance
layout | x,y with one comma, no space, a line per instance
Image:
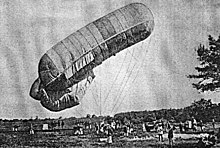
158,80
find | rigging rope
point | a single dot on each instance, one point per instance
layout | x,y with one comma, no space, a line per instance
115,79
83,88
78,113
133,56
117,99
100,95
123,77
123,81
94,98
97,95
135,77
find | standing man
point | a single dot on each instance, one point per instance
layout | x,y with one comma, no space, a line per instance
109,134
160,132
144,127
201,125
97,128
125,130
31,130
213,123
62,124
194,124
170,136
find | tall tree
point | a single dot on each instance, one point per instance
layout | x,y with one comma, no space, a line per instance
209,66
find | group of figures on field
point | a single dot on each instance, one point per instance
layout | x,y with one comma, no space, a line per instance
164,131
192,126
161,127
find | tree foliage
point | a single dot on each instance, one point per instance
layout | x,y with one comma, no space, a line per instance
202,109
209,66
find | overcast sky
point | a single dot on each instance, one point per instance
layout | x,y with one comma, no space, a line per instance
149,75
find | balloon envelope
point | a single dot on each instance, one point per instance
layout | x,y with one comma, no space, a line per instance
72,60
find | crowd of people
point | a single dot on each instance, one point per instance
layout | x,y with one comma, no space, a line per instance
108,128
161,127
190,126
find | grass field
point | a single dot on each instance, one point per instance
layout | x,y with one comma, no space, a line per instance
91,140
66,138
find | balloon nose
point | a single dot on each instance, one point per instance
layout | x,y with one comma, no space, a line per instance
35,90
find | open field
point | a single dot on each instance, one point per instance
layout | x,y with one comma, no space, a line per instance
63,132
59,139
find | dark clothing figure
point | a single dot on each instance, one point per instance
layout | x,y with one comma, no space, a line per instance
170,133
181,127
162,124
58,123
62,124
218,134
126,130
117,125
168,125
170,137
96,128
147,128
161,137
